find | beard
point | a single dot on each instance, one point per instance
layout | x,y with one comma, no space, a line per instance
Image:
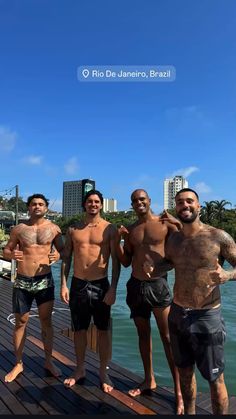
188,220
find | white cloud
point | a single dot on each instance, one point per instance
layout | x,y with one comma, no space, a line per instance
71,166
7,139
33,160
185,172
202,187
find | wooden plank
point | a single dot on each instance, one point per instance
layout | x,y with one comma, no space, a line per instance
16,407
131,403
161,402
130,399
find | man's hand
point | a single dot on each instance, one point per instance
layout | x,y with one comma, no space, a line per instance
122,232
219,275
53,256
64,294
17,254
110,296
148,265
166,216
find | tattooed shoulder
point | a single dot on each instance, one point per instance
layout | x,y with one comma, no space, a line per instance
227,246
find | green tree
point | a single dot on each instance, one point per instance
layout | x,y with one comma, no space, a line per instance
220,210
208,212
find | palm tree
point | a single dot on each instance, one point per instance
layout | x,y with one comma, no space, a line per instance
220,209
208,212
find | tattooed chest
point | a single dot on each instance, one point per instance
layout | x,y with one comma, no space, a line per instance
31,236
201,250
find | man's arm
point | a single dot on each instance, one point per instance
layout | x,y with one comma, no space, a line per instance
57,244
11,250
166,216
124,252
110,296
65,266
228,251
165,265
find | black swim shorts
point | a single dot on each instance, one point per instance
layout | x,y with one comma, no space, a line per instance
198,336
86,301
144,296
26,289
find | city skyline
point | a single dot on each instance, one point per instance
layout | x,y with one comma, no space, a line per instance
55,127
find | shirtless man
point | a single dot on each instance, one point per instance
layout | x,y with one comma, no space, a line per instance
147,293
32,244
92,241
196,326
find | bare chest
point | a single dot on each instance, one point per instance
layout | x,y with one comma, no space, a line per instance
32,235
90,236
152,234
198,251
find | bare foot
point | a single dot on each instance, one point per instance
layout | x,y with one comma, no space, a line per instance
11,376
144,387
77,378
106,384
179,404
52,370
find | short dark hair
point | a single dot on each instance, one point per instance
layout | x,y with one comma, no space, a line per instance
137,190
92,192
187,190
37,195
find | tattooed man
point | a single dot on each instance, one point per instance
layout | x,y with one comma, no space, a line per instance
34,245
197,329
149,293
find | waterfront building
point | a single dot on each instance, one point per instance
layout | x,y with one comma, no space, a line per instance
109,205
171,187
73,194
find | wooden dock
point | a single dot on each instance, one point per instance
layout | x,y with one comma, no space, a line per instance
32,393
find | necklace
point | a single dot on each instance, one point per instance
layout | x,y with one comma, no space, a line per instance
91,225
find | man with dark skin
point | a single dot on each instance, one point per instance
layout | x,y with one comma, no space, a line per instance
92,241
196,326
32,244
148,293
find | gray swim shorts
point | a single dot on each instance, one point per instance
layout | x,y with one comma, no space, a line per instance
198,336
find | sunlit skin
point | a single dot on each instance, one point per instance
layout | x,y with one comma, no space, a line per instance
30,244
92,241
197,253
144,242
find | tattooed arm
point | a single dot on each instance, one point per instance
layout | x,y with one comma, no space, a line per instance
228,252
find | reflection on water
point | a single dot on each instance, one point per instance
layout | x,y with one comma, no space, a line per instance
125,344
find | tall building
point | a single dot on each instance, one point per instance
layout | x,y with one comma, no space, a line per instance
109,205
171,187
73,194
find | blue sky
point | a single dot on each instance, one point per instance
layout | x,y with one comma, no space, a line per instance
123,135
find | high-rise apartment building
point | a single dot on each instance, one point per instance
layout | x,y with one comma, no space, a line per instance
109,205
171,187
73,194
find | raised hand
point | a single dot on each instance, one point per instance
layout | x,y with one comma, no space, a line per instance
18,254
219,275
166,216
122,231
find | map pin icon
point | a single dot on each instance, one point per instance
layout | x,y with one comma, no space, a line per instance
85,73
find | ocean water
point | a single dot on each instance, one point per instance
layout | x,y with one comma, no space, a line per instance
125,343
